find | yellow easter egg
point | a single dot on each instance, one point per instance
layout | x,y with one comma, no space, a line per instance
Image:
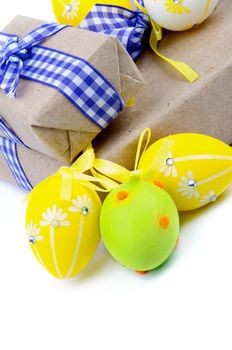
179,15
63,234
74,11
195,169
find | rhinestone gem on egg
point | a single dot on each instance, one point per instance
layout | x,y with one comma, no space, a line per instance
68,8
213,198
192,183
170,161
84,210
32,239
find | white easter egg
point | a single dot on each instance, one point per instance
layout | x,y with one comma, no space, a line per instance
179,15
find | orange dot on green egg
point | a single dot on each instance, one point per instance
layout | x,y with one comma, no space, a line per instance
122,195
158,183
164,221
142,272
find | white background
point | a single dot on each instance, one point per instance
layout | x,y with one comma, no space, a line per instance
184,305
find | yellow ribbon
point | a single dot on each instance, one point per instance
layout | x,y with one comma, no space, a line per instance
104,169
84,163
109,174
155,38
130,102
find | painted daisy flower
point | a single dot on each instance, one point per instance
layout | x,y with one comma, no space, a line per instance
82,205
176,7
33,233
54,217
169,168
209,198
70,9
188,186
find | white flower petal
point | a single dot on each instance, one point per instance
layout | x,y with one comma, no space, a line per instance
163,169
46,216
204,201
75,202
53,212
184,179
183,189
65,223
37,231
58,213
62,217
39,238
189,194
168,171
190,175
80,201
74,209
44,223
181,184
196,194
174,171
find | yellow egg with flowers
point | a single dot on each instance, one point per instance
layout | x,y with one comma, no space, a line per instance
63,232
74,11
195,169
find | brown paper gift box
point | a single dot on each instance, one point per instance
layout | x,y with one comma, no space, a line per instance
41,116
169,104
36,166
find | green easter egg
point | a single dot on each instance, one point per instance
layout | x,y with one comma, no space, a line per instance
139,224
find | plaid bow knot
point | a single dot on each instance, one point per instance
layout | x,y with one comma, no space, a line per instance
74,77
14,52
11,61
11,51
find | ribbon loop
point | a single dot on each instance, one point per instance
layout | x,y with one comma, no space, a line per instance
84,163
127,25
12,58
15,52
104,168
156,37
74,77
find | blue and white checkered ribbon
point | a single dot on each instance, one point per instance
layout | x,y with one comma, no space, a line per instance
72,76
128,26
8,147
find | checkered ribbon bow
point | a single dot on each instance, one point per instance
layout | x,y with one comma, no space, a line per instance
8,147
13,54
82,84
128,26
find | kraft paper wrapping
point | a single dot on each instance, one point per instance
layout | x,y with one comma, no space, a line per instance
41,116
169,104
36,166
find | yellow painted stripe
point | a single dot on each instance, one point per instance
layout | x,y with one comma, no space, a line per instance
206,9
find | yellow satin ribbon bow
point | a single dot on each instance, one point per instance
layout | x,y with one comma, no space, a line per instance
104,169
77,172
156,36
